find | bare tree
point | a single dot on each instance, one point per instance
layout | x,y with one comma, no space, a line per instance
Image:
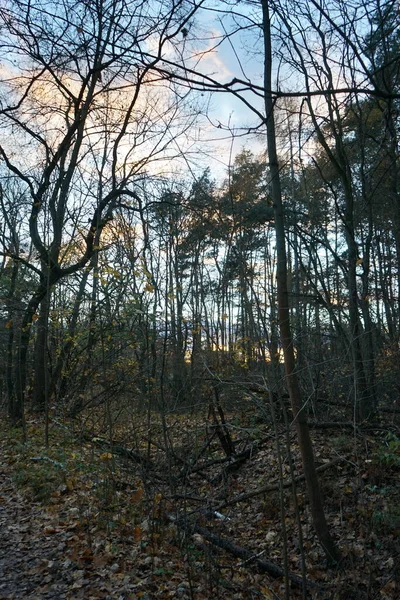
79,90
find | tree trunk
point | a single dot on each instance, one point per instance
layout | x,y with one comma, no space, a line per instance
303,433
87,372
40,380
10,339
18,396
57,375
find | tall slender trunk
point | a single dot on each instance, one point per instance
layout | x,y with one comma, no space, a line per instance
306,448
41,364
361,394
78,402
57,375
18,395
10,339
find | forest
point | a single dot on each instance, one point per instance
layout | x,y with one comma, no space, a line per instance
199,299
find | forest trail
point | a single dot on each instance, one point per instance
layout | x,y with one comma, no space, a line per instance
38,558
32,562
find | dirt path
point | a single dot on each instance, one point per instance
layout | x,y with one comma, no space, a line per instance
31,562
38,559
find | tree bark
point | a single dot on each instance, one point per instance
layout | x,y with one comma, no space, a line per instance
10,339
306,448
40,380
18,395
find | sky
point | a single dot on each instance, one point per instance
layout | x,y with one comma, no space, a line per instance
320,43
224,128
220,130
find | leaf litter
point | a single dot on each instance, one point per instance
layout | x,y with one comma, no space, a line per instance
82,520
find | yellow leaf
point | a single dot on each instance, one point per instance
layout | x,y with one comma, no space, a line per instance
106,456
8,324
359,261
267,593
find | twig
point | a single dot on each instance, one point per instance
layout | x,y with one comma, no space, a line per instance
50,460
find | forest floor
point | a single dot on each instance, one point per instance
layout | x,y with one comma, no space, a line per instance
92,515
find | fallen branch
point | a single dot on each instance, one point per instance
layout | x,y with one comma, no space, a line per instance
273,487
232,462
248,557
122,451
111,445
56,463
332,425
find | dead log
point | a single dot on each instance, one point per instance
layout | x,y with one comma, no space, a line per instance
249,558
